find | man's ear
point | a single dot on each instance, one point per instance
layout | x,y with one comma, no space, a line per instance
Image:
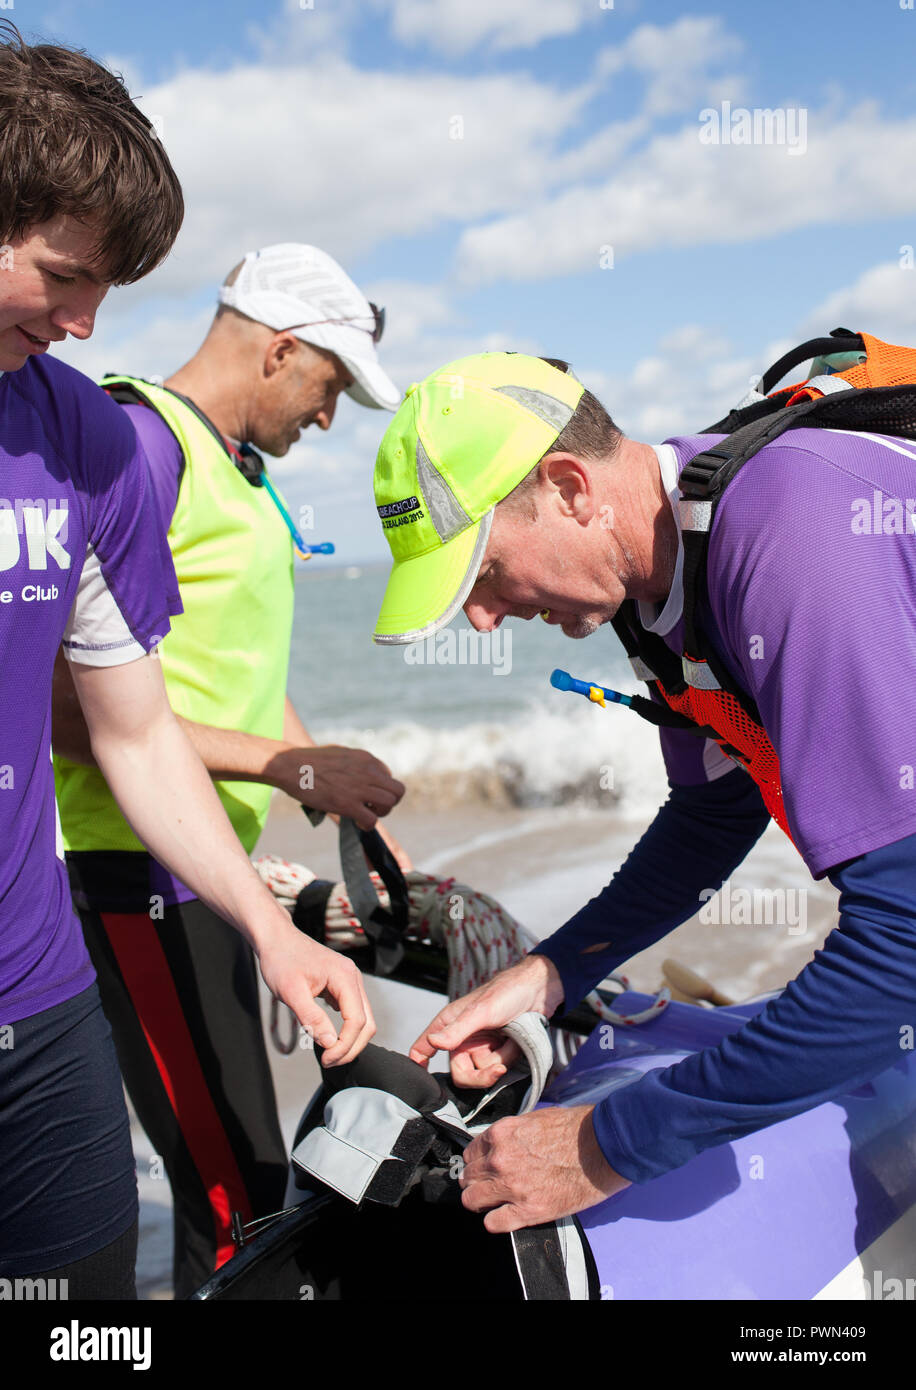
280,352
571,483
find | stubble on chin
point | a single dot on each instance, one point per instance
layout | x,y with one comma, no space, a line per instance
581,627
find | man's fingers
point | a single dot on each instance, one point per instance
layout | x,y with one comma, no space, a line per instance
466,1075
350,1044
316,1022
424,1047
384,793
351,782
479,1052
506,1218
482,1065
481,1196
358,1024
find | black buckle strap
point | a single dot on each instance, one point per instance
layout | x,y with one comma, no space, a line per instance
707,475
384,927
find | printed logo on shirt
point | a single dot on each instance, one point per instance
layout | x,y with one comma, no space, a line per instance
34,530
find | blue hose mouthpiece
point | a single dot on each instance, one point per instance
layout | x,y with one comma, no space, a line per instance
561,680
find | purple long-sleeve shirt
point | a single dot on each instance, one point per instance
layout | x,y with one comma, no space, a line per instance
812,608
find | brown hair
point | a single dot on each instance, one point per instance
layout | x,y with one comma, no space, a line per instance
590,434
73,143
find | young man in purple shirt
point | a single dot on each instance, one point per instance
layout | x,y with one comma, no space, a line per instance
525,499
83,563
179,987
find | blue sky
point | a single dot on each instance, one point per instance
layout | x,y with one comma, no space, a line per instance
581,131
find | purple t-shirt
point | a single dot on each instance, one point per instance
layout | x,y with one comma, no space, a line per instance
163,454
812,608
84,564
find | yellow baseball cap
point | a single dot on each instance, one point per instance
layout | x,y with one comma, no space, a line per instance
460,441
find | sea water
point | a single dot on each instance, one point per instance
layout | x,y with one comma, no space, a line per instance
470,717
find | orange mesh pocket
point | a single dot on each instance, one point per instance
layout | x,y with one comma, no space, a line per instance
747,742
886,364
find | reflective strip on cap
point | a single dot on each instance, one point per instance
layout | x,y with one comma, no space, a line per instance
446,513
547,408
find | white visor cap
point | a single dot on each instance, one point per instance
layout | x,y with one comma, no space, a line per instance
299,288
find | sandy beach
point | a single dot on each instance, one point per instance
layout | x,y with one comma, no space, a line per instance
542,865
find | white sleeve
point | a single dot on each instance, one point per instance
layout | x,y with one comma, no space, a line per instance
715,762
96,633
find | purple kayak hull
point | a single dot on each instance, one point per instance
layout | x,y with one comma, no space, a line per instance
775,1215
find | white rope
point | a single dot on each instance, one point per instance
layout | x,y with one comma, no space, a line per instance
479,935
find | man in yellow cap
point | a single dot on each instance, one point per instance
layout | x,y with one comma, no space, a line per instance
758,615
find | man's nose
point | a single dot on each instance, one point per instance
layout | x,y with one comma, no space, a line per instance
483,616
77,315
326,414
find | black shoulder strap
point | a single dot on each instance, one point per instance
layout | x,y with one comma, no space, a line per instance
883,409
840,340
127,393
124,392
663,664
647,647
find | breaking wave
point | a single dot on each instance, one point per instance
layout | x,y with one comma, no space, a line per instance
586,757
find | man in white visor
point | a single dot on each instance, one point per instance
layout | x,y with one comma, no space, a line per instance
178,984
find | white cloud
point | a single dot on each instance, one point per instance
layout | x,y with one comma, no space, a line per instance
688,381
301,31
694,376
882,302
677,191
320,150
345,158
674,61
457,26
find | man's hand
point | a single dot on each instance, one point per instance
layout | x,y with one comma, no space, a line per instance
342,781
537,1167
163,789
298,970
471,1028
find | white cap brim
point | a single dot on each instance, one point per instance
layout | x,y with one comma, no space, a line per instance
371,385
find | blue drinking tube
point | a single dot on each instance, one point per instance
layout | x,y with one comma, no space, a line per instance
303,550
659,715
562,680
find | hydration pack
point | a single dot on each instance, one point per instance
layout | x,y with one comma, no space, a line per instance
857,383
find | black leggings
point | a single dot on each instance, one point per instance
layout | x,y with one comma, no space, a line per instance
181,994
108,1274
